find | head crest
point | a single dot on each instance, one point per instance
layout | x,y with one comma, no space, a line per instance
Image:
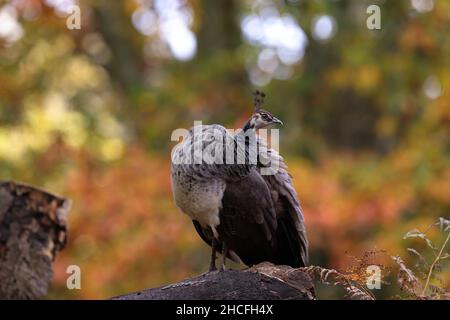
258,99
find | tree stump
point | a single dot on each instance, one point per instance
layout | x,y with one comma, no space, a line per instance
262,282
32,232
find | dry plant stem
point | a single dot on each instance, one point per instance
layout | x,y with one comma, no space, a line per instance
436,260
353,289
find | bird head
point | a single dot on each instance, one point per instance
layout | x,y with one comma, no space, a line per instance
260,117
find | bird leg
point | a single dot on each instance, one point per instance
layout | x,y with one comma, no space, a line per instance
224,256
212,265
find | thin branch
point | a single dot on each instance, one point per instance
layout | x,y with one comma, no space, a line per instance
436,260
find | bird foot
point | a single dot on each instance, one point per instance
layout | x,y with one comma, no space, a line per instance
212,268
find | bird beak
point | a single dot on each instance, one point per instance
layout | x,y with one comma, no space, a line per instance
275,120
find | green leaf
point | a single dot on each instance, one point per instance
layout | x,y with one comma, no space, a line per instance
414,234
430,243
417,234
444,224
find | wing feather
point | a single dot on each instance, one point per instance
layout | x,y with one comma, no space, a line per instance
248,221
279,181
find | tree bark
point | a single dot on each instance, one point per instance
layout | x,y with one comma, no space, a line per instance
262,282
32,232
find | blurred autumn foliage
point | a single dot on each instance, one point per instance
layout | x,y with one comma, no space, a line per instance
88,113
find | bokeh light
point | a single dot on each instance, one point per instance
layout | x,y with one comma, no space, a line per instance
324,27
171,21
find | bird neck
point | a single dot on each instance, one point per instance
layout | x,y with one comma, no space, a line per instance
248,133
247,126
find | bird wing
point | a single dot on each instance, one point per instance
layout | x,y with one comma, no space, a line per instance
292,232
248,221
209,152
